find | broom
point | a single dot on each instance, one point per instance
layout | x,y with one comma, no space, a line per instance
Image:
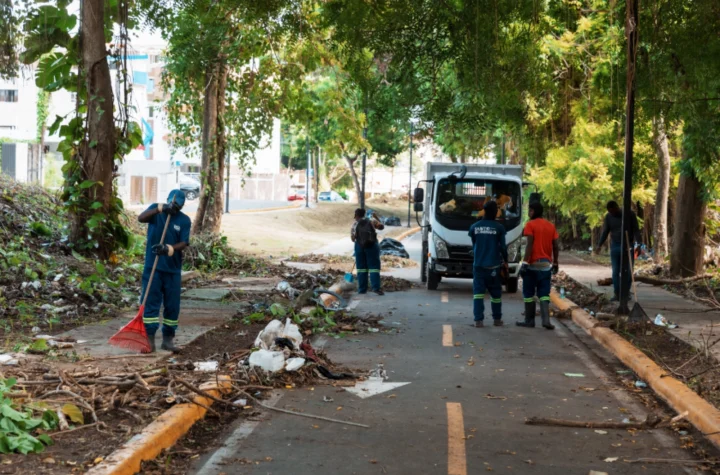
133,336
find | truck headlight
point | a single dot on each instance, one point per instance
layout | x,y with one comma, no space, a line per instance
514,250
440,247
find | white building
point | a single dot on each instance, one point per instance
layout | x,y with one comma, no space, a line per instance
148,173
19,155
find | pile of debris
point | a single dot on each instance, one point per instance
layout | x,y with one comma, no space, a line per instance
345,262
281,347
44,283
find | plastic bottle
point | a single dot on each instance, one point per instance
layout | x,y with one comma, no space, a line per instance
562,292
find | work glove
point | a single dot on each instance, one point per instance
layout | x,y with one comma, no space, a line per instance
555,268
524,268
163,250
169,208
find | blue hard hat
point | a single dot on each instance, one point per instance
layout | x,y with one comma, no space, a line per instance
179,197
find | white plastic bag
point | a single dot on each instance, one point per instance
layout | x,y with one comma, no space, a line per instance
268,360
294,364
266,338
292,333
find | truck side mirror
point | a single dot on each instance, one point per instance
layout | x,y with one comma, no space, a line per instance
418,196
419,207
534,198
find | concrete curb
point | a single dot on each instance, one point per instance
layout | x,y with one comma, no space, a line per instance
407,233
160,434
703,415
263,210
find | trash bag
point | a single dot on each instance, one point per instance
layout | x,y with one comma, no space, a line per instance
289,333
266,338
392,221
393,247
294,364
268,360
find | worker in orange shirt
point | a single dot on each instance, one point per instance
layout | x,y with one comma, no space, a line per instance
539,265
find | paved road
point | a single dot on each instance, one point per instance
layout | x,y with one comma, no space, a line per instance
462,413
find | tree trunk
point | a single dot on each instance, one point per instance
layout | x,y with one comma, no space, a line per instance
98,152
660,230
210,208
688,247
351,165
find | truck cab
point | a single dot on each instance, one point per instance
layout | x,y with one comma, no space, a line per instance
453,201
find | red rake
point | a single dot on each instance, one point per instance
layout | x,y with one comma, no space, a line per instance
133,336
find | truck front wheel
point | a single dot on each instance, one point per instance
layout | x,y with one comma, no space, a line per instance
433,279
511,285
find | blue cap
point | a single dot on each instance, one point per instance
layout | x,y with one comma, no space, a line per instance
179,196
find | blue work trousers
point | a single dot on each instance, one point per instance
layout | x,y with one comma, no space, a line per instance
487,281
367,262
616,259
537,282
164,292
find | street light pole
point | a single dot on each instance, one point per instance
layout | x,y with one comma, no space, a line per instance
631,29
410,172
307,170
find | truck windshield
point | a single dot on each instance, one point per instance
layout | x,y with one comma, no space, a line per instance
460,202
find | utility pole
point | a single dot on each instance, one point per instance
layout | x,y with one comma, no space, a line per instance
227,181
631,32
410,189
307,169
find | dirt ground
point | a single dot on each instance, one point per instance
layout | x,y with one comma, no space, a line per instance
299,231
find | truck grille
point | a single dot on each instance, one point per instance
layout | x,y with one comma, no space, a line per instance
461,253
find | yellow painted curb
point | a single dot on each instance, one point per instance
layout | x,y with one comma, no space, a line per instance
263,210
408,233
703,415
159,435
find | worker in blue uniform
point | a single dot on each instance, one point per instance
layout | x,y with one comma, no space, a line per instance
165,288
490,257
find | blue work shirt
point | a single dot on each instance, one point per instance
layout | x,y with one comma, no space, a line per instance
489,247
178,231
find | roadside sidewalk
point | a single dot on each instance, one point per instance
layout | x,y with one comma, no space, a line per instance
695,321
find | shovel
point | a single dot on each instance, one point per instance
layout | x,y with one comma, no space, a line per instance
349,275
637,314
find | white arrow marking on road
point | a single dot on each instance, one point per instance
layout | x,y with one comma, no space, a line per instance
372,387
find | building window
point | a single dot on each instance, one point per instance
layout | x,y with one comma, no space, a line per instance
151,112
8,95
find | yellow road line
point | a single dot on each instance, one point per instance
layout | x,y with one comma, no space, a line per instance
447,338
457,460
444,297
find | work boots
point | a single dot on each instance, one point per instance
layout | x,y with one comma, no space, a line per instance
167,344
545,315
529,316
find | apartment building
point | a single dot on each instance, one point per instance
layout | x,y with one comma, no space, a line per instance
148,173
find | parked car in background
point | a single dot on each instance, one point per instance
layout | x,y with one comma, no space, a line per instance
332,196
297,195
190,185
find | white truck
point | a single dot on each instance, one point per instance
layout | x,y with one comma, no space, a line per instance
453,202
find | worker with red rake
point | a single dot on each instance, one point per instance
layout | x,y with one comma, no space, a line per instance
164,290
